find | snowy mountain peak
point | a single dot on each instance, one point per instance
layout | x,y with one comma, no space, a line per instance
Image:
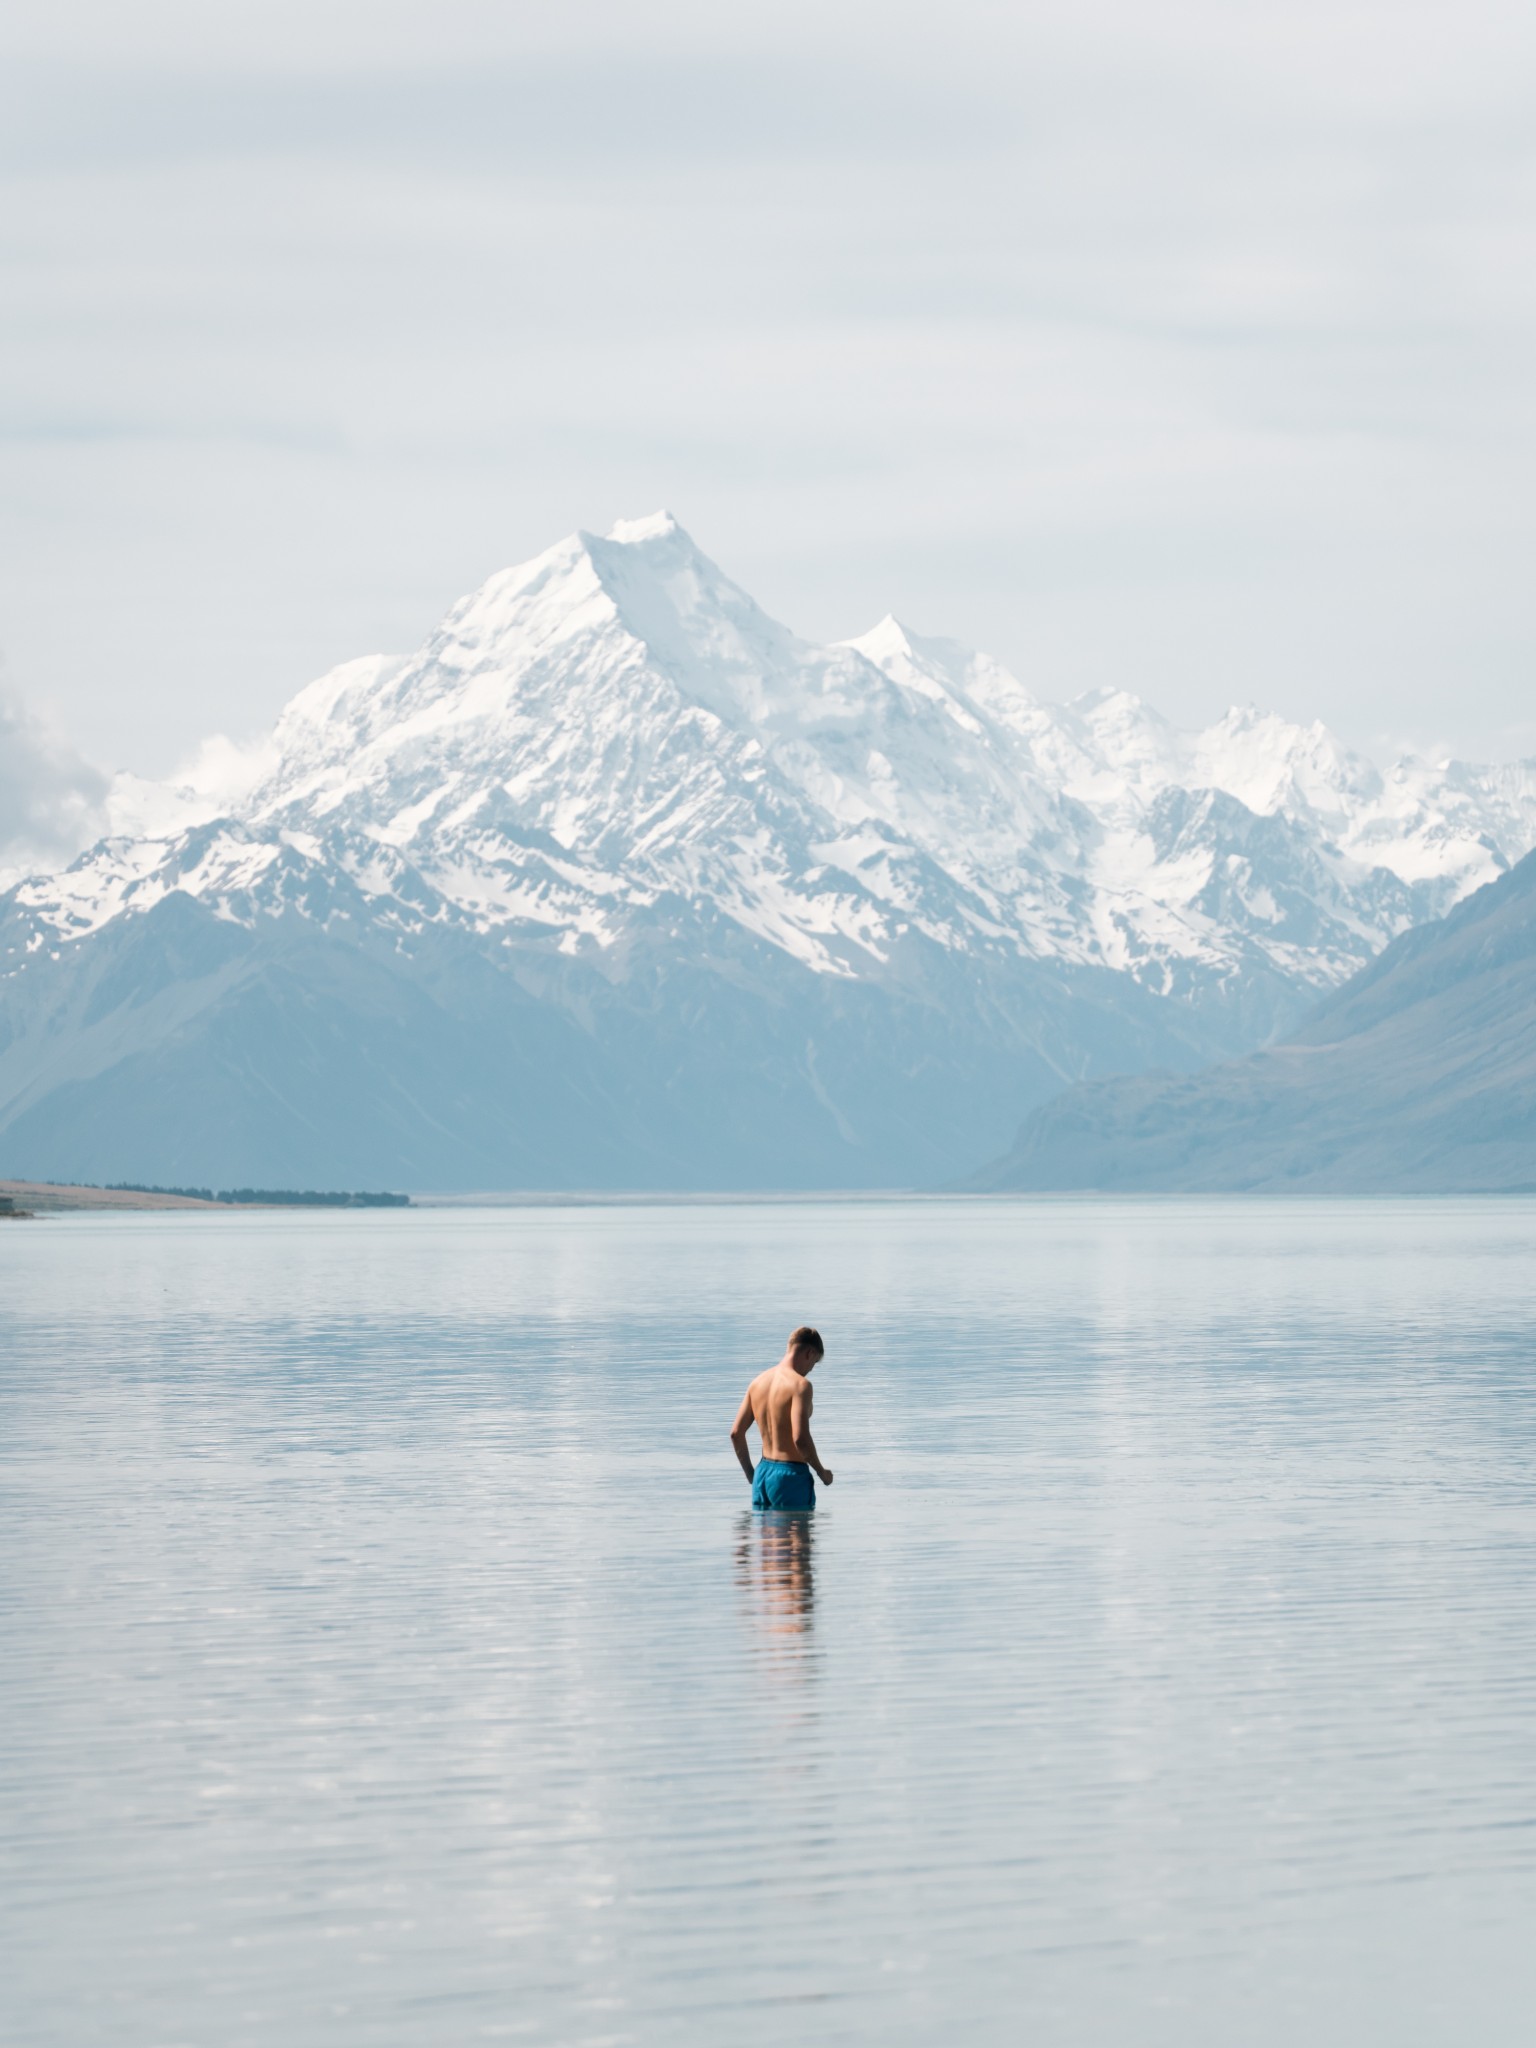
955,676
654,526
706,631
1271,765
616,724
887,641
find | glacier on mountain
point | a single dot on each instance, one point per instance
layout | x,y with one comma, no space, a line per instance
764,910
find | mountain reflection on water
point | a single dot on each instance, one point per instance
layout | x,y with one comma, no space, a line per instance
388,1653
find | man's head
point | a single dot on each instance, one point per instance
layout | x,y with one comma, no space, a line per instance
805,1347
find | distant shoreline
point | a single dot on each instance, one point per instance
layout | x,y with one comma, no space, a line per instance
711,1198
38,1197
42,1197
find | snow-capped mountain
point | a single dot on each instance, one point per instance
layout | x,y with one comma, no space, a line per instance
771,910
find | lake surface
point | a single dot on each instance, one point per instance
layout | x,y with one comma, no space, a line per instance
387,1654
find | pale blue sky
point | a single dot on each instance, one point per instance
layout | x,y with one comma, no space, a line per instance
1193,355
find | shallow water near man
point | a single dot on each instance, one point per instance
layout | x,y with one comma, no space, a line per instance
779,1402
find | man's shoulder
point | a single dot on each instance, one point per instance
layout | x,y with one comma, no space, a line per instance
778,1378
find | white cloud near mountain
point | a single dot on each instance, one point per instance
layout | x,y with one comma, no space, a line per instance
50,800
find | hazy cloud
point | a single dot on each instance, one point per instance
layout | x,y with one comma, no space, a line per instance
50,800
1187,349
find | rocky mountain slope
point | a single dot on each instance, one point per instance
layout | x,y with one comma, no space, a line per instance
1418,1076
616,881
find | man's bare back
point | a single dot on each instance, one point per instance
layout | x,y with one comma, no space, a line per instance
779,1402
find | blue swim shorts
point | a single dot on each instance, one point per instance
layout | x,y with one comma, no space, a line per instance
777,1484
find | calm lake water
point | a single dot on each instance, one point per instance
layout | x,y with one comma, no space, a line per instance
387,1654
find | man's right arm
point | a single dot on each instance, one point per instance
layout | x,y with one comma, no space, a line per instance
739,1430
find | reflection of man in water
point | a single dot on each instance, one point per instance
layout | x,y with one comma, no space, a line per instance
779,1402
773,1569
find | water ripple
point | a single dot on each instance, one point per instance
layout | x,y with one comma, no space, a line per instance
387,1653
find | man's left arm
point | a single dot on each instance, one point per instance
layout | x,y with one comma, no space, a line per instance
800,1428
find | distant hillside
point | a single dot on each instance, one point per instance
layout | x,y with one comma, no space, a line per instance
1418,1076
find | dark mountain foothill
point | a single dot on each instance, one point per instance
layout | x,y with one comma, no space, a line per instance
1419,1076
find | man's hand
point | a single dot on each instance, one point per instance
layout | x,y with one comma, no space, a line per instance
825,1477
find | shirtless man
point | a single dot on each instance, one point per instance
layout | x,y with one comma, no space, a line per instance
779,1402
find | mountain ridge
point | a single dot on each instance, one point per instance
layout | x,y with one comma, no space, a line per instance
610,786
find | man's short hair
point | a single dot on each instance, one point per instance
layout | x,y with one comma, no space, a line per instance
807,1339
